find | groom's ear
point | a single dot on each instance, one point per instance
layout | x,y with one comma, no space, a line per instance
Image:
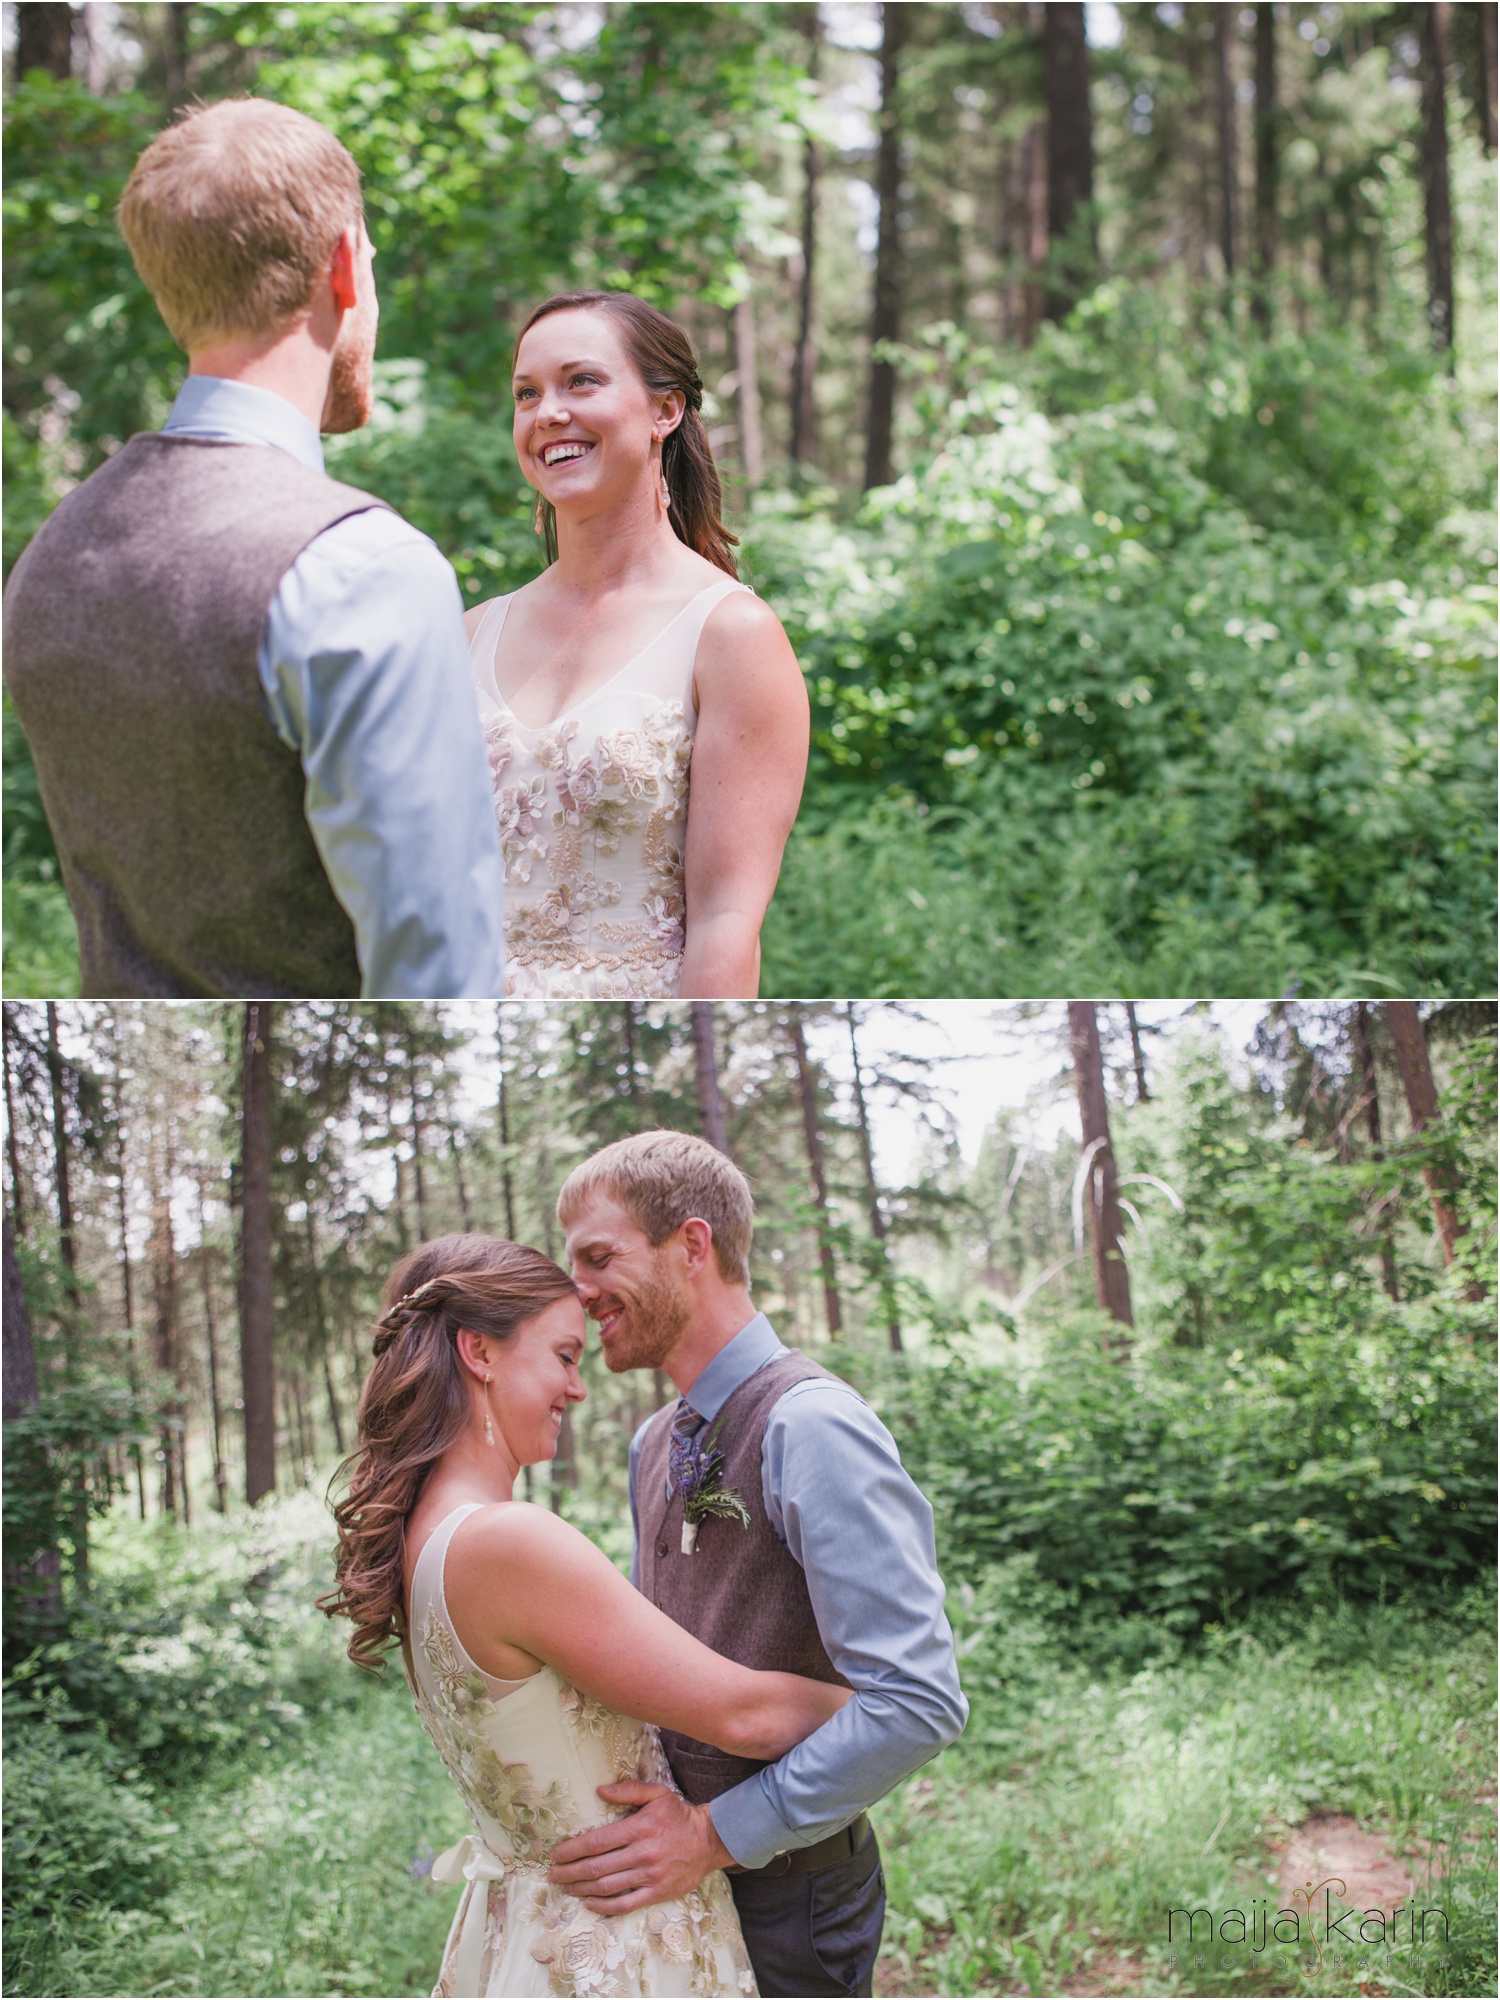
343,269
698,1243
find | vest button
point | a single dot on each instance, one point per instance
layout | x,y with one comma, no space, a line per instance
661,1548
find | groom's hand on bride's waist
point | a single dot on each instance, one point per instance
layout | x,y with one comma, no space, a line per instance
661,1850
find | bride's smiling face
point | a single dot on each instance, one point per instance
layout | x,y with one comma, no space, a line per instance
587,429
536,1377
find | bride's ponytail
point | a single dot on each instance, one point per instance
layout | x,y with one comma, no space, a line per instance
664,356
414,1405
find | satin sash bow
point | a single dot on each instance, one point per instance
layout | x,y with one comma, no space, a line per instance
470,1861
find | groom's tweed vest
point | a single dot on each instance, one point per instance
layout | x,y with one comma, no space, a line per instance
132,627
740,1591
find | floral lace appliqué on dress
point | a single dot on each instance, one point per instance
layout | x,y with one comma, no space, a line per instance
592,812
527,1757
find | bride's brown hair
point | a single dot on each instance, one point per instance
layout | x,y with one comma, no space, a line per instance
415,1404
663,354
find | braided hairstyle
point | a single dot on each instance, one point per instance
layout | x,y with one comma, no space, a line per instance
663,356
415,1405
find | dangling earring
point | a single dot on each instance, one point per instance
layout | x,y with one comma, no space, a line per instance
538,517
489,1429
666,495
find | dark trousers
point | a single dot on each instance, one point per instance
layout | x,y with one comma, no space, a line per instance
815,1934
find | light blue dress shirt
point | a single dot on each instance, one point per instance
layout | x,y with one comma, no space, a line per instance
837,1495
364,666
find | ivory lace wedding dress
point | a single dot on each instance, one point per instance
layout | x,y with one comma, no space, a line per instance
527,1756
593,819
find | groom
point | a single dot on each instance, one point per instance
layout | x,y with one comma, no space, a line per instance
245,686
833,1577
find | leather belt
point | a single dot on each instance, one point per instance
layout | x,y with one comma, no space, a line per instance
840,1846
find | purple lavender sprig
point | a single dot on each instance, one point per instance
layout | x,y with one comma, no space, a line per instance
696,1471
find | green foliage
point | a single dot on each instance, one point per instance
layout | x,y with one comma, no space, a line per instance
191,1647
1183,690
1197,1486
80,1828
84,340
1049,1846
57,1479
294,1871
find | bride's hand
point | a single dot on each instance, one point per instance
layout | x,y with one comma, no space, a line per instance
662,1850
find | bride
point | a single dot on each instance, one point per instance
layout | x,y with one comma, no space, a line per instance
634,661
537,1670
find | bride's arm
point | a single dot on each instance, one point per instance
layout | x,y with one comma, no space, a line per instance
749,760
519,1578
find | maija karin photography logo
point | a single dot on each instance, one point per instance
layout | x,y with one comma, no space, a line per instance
1284,1934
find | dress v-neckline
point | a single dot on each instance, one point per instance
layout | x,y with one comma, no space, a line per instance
568,714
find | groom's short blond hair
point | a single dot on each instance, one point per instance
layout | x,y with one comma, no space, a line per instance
663,1179
232,214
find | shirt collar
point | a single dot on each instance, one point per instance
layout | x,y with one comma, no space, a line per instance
752,1347
238,413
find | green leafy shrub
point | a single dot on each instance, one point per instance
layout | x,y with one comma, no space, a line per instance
80,1829
1095,704
188,1647
1197,1487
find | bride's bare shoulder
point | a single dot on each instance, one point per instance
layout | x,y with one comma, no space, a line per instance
514,1532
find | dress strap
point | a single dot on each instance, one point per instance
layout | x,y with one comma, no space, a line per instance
690,631
486,638
427,1572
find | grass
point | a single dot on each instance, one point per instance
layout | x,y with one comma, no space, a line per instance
1040,1855
289,1876
1045,1853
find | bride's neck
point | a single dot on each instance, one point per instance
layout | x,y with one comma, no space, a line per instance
621,544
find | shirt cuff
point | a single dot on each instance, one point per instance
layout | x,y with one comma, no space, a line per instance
750,1826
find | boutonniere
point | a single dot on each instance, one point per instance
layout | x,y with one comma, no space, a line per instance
696,1471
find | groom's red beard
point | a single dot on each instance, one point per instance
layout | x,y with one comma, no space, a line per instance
351,383
655,1317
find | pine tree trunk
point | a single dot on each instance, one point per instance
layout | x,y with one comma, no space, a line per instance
1432,26
176,54
20,1378
1224,19
1072,242
1267,166
1410,1038
44,38
747,394
710,1105
1034,175
37,1583
60,1157
872,1188
804,357
257,1309
216,1402
507,1187
163,1255
1365,1054
128,1301
807,1091
1138,1060
885,318
419,1187
627,1036
1106,1229
12,1139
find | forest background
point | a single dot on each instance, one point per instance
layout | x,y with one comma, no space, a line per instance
1106,398
1198,1375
